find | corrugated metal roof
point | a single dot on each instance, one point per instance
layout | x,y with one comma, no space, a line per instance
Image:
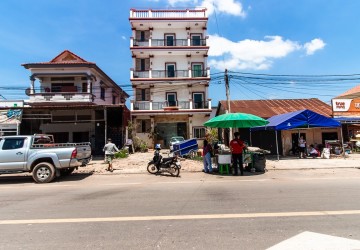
269,108
351,93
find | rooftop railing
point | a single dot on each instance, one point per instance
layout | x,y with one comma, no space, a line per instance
198,13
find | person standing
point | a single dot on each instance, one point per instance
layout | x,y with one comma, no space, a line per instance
237,146
207,157
302,147
110,149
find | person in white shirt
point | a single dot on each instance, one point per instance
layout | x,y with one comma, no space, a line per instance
110,149
302,147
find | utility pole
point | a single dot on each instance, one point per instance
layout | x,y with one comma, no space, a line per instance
228,99
227,90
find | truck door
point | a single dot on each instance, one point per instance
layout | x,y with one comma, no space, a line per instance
12,154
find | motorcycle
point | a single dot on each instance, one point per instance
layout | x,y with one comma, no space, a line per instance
159,164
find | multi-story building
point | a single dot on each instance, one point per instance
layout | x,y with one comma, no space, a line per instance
74,100
170,76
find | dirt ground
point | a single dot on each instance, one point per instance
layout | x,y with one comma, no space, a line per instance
137,163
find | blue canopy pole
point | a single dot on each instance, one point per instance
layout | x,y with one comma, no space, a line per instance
277,145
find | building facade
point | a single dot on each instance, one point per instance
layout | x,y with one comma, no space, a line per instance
74,100
170,76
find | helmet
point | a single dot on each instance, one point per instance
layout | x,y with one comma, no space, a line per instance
158,146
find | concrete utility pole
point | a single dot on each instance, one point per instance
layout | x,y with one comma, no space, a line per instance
228,99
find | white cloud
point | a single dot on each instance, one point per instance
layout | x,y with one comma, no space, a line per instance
248,54
314,45
231,7
123,37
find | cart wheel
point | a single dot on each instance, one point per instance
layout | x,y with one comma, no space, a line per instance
192,154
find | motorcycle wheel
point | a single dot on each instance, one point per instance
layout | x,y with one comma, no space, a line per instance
151,168
174,170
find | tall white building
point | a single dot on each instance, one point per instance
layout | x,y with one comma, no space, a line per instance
170,76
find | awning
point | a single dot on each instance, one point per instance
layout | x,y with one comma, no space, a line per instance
298,119
345,119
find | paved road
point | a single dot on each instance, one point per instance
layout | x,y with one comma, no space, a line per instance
196,211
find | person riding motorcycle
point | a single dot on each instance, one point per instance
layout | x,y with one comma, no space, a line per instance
157,157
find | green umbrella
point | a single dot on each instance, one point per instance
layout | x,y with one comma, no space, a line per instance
236,120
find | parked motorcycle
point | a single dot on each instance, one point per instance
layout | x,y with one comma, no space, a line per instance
159,164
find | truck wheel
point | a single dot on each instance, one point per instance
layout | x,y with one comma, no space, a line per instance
192,154
43,172
66,171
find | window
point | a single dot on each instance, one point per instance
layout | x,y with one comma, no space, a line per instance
169,40
102,93
143,126
199,132
13,143
63,87
84,87
114,100
198,99
171,99
142,36
170,70
195,40
197,70
142,94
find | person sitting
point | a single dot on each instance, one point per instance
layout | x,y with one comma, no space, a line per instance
313,152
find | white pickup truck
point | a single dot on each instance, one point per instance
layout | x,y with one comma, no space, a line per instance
39,155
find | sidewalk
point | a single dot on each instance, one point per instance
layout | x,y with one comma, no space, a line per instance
137,163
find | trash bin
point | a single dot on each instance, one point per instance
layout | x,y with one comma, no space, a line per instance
259,162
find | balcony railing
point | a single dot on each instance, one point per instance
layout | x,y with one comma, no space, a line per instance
141,43
199,13
180,105
167,43
197,42
142,106
134,74
164,42
170,73
141,74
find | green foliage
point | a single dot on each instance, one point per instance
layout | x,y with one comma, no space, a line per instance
212,135
143,146
139,145
123,153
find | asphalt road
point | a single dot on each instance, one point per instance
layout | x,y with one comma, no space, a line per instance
195,211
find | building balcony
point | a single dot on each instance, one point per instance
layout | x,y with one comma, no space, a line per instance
167,106
169,74
61,94
160,14
151,43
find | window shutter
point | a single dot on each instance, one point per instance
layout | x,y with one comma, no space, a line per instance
138,64
138,94
147,64
147,94
138,35
147,35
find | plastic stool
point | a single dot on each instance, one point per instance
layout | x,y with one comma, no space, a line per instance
224,168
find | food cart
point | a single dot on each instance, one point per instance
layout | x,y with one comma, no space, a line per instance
187,148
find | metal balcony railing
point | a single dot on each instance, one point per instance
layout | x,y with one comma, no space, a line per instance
200,105
197,42
141,74
141,42
169,73
142,105
199,73
165,42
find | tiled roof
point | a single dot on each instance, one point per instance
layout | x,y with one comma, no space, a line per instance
351,93
65,57
269,108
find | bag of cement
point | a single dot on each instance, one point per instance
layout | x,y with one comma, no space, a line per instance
325,153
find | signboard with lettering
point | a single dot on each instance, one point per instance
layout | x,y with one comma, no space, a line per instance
11,104
346,105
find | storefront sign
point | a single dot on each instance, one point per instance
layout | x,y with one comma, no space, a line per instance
344,104
11,104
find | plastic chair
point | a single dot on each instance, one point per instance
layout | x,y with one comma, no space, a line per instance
224,168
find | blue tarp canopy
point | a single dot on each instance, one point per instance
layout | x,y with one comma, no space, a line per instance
298,119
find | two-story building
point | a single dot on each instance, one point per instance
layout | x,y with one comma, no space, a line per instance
170,76
74,100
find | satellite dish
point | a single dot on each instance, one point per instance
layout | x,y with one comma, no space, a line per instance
27,91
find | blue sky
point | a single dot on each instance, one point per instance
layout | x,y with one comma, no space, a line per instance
281,37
